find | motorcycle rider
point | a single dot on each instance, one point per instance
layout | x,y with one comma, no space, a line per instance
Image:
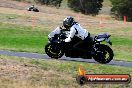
31,7
74,29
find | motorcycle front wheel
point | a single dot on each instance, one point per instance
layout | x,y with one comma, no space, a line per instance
54,51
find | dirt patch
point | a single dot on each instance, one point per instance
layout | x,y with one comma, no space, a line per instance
19,73
15,69
13,4
52,17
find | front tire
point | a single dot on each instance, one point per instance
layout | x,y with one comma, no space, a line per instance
104,54
54,50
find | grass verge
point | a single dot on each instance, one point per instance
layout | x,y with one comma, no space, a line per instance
31,73
22,38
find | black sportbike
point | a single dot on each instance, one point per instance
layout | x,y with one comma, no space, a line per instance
56,48
33,9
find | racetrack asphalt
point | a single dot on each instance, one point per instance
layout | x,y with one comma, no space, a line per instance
44,56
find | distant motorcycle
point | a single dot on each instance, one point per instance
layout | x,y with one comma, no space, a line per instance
56,48
32,8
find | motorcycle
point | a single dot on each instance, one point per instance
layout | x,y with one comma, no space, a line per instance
33,9
56,48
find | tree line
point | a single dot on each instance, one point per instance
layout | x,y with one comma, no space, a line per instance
119,9
122,8
85,6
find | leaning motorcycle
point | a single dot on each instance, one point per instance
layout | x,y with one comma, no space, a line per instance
33,9
56,48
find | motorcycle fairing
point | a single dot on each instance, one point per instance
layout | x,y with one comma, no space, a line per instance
103,35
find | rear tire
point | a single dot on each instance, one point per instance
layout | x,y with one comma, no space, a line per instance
102,51
54,51
35,10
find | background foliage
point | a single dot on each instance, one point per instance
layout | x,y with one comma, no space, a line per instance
122,8
86,6
56,3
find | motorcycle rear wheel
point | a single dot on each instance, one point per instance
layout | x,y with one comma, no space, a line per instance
104,54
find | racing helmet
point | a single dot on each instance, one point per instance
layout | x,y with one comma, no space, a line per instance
68,22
